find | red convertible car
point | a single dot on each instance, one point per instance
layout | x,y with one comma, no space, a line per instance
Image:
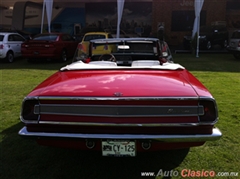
119,109
58,46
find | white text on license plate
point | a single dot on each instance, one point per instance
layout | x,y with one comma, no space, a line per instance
118,148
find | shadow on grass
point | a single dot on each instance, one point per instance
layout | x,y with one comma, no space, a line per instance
22,158
208,62
21,63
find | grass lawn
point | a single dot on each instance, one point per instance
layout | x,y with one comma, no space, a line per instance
24,159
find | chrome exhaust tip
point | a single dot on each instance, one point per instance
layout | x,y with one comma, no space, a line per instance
90,144
146,145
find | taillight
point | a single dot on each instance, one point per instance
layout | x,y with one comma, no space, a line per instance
210,111
239,43
80,47
83,48
1,46
28,114
25,45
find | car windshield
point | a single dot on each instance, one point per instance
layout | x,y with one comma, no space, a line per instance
236,35
48,37
91,37
1,38
132,49
206,28
128,46
211,28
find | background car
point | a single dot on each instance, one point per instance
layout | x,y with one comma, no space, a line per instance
122,33
91,36
209,36
79,36
10,45
60,46
234,44
121,110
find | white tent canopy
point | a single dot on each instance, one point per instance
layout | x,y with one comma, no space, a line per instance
198,7
120,5
48,4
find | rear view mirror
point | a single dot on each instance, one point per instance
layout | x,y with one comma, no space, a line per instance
123,47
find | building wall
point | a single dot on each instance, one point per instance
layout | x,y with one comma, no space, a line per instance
163,10
147,14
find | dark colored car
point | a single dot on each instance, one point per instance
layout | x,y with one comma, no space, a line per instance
209,36
234,44
58,46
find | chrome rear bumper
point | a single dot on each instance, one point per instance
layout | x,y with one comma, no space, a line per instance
216,134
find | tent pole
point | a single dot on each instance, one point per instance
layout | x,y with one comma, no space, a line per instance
43,12
198,35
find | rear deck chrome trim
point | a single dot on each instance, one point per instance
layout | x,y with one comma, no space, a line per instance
123,124
216,134
153,98
118,111
136,98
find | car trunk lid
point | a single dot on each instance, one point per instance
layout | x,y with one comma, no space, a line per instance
116,83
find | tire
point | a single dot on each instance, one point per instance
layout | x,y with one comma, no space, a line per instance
237,55
208,45
30,60
64,56
10,57
225,44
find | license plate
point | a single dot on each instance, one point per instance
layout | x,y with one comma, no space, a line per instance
119,148
36,53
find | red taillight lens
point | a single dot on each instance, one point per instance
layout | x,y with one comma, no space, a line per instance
24,45
80,47
28,108
1,46
239,43
210,111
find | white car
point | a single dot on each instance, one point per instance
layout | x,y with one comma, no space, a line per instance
10,46
234,44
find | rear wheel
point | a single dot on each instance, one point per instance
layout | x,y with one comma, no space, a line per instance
237,55
10,57
30,60
225,44
64,56
209,45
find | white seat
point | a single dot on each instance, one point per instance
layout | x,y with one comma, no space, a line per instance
145,63
103,63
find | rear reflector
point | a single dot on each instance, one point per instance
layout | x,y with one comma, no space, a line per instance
210,111
28,115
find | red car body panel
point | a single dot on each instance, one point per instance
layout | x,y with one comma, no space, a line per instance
49,49
81,145
106,83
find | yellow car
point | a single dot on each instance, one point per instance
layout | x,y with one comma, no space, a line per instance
83,47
